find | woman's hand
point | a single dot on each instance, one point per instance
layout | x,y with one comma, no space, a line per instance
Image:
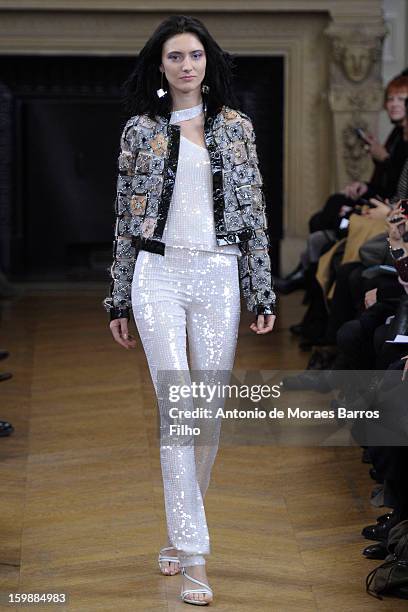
376,149
397,226
381,210
355,190
119,329
264,324
395,236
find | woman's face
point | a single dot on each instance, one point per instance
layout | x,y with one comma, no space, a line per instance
395,106
184,62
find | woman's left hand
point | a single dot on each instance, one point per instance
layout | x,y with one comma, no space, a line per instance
264,324
376,149
381,210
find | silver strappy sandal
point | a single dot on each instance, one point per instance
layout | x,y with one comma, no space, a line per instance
204,589
163,558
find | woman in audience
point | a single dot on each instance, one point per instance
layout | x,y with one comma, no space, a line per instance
319,326
388,160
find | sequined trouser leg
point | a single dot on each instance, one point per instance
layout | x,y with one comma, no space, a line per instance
194,294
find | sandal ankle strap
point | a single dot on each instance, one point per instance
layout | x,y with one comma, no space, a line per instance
205,587
169,559
163,558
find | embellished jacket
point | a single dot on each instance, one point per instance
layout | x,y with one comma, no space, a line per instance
147,170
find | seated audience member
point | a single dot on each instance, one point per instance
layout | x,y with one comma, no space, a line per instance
319,325
357,339
363,347
388,160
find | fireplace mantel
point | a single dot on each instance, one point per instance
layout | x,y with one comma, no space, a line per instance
332,51
371,9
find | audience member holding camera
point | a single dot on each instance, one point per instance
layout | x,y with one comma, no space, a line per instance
346,263
367,311
326,225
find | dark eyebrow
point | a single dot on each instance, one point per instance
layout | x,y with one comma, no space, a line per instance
195,51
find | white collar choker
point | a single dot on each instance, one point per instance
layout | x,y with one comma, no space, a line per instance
186,113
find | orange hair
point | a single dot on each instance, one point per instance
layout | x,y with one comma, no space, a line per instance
397,85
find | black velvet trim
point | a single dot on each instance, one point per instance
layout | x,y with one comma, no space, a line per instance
168,179
148,244
119,313
236,236
218,188
266,309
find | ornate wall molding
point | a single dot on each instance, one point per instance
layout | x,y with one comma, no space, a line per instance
355,94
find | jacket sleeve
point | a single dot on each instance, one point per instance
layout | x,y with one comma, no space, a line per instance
254,263
118,303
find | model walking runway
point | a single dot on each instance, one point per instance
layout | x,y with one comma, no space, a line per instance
191,231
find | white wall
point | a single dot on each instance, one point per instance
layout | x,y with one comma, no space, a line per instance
395,53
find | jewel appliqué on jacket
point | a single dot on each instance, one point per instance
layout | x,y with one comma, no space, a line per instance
147,170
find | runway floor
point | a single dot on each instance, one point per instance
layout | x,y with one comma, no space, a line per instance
81,501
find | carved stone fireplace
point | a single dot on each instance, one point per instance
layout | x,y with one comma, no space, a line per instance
332,51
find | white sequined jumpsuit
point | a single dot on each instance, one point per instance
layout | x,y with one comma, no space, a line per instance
190,291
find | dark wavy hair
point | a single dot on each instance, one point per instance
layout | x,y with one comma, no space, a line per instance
139,90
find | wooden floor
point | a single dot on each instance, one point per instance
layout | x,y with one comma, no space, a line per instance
81,502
